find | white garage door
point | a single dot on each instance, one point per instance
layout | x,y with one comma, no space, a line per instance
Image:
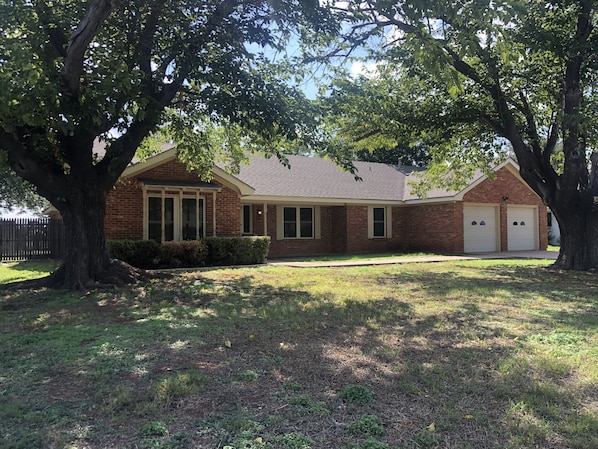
480,229
521,228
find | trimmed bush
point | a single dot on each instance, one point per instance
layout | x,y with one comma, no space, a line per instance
189,253
139,253
237,250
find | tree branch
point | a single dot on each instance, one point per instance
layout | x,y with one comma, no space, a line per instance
89,26
27,165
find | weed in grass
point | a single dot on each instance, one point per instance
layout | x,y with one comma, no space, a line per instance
425,439
357,394
367,425
172,388
117,398
370,443
294,440
248,376
304,404
291,387
155,428
236,429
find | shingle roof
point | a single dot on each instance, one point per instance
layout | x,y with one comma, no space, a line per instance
320,178
310,177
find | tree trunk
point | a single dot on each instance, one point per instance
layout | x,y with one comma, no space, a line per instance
86,263
85,260
579,238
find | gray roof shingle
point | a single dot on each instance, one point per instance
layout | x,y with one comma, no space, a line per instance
311,177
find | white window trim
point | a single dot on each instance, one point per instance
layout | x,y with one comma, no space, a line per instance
178,210
387,222
316,228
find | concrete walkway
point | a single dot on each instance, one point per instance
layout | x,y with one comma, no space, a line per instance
549,255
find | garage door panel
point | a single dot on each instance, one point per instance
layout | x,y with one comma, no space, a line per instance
480,229
522,228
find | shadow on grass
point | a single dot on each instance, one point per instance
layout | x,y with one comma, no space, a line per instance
231,358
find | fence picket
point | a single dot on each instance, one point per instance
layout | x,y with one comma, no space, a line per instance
38,238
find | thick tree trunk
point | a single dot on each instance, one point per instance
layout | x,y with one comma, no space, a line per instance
86,263
579,238
86,259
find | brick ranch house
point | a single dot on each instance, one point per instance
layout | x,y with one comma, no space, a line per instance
315,208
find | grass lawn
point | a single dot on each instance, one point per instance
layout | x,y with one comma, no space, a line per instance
468,354
21,271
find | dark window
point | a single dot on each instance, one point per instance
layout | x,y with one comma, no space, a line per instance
298,222
379,222
190,219
246,219
154,219
306,222
166,219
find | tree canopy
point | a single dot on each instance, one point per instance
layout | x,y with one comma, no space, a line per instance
469,76
73,73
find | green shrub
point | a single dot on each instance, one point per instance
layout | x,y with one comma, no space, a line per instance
189,253
139,253
237,250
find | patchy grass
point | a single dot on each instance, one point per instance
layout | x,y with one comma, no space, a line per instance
469,354
22,271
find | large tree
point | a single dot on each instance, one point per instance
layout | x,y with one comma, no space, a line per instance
73,73
478,74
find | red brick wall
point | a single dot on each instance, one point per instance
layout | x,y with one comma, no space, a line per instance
228,213
507,185
124,205
344,229
439,227
432,227
302,247
124,211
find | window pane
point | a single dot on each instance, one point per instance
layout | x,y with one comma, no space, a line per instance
378,229
379,222
201,219
168,219
306,216
154,232
290,214
378,214
189,219
246,219
154,209
290,222
154,214
290,230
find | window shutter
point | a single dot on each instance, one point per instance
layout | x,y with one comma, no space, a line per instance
388,218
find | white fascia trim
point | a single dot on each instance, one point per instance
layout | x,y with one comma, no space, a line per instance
231,181
509,164
312,201
149,163
170,154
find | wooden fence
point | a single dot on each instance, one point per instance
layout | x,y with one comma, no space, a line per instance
40,238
